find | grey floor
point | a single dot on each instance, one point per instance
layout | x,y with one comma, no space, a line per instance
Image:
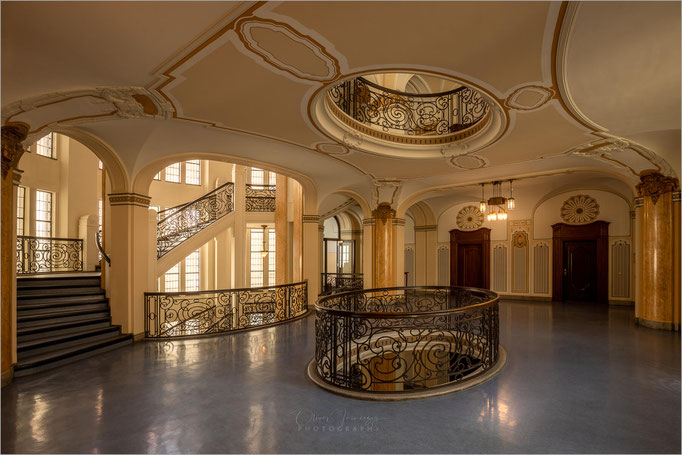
579,378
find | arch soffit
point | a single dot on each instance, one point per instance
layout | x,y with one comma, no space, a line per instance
422,214
568,189
364,206
143,179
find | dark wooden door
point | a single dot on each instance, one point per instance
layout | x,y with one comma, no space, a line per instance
580,270
469,262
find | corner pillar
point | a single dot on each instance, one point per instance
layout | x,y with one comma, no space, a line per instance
281,231
658,265
382,241
311,256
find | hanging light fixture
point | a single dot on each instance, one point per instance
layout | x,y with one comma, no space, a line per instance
264,250
482,205
511,202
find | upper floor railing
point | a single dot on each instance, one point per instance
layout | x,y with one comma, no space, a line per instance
48,254
400,113
180,223
260,198
180,314
340,282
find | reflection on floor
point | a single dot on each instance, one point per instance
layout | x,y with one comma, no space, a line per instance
579,378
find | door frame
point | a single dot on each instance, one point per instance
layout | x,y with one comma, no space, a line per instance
481,237
562,232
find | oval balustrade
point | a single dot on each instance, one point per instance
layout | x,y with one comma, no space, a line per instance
48,254
340,282
404,339
405,114
182,314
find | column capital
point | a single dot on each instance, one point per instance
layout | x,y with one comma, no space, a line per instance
12,148
311,218
383,212
16,177
655,184
129,199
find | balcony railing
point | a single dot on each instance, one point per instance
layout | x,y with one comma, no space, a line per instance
177,224
48,254
340,282
406,114
260,198
181,314
401,339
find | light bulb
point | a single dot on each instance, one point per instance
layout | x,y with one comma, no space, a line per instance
263,253
493,216
511,203
481,207
502,216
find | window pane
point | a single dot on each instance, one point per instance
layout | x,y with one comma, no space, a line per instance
256,258
193,172
101,166
43,213
257,176
192,272
21,206
44,146
173,173
172,279
272,178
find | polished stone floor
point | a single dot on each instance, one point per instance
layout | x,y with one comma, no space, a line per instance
579,378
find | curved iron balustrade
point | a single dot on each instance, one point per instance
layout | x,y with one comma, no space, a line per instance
340,282
181,314
260,198
180,223
98,242
48,254
398,339
406,113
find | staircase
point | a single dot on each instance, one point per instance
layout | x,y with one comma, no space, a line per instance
62,318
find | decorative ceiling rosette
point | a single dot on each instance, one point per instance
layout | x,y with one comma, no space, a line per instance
469,218
579,209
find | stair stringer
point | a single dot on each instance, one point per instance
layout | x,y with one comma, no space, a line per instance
185,248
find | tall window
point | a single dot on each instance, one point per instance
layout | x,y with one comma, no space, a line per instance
21,209
256,258
272,259
173,173
43,213
172,279
193,172
257,176
192,272
157,176
272,178
44,146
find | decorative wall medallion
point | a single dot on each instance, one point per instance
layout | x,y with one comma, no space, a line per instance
520,239
529,97
579,209
329,148
468,162
469,218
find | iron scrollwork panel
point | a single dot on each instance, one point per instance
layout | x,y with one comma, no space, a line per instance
48,254
260,198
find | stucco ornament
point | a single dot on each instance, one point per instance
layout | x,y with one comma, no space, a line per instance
579,209
469,218
520,239
654,184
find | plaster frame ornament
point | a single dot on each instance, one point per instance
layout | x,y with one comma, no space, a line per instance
579,209
520,239
469,218
655,184
12,148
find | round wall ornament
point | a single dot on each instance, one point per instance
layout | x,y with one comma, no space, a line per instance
469,218
579,209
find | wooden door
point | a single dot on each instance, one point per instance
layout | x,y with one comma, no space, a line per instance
580,270
469,262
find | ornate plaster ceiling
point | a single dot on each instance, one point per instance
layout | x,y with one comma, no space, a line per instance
588,87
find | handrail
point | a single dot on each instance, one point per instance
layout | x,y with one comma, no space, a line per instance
98,242
48,254
413,95
179,207
48,238
336,282
195,313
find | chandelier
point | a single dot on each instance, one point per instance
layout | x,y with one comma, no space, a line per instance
497,205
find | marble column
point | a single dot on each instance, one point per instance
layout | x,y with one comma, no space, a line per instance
12,149
239,252
311,256
281,234
659,252
382,242
398,251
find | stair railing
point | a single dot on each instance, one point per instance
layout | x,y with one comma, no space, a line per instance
179,223
98,242
48,254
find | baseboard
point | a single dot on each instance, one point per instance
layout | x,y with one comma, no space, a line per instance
621,302
670,326
532,298
8,376
138,336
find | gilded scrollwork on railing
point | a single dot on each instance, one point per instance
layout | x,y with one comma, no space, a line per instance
392,111
48,254
260,198
180,223
397,339
178,314
340,282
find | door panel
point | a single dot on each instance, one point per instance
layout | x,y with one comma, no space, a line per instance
580,270
469,261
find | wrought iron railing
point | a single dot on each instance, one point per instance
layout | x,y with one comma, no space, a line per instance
180,223
98,242
260,198
340,282
403,113
178,314
398,339
48,254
